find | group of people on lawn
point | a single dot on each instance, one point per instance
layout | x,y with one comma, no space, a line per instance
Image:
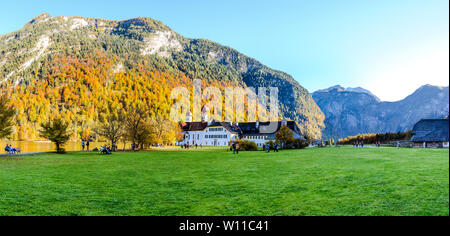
275,147
187,146
358,144
10,150
85,144
361,144
235,148
103,149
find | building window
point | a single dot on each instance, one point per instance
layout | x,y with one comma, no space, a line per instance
216,129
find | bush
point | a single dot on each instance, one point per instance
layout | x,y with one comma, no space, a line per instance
300,144
294,144
245,145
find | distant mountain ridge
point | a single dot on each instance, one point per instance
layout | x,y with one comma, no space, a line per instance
350,112
349,89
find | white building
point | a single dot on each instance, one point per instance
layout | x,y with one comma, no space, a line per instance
222,134
209,134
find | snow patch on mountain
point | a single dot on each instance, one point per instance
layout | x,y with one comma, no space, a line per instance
213,55
160,43
78,23
42,45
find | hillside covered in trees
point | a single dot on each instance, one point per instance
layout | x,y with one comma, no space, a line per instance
78,67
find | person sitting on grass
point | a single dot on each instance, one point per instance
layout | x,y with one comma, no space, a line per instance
105,150
15,150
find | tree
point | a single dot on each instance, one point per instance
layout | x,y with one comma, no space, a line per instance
164,131
112,128
309,138
56,130
174,133
138,127
284,136
6,115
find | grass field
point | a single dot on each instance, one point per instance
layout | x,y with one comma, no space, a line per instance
331,181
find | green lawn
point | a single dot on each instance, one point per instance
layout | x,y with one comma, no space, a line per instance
331,181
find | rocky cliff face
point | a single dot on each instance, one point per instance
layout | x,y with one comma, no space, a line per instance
30,54
354,111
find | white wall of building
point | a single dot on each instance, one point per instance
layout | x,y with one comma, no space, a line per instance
211,136
260,140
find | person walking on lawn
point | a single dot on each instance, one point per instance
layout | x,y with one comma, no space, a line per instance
83,144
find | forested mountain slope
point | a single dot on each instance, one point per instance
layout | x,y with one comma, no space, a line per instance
78,67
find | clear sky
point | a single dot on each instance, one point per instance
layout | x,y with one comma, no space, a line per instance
390,47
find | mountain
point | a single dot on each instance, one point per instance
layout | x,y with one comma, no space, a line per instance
76,66
350,112
342,89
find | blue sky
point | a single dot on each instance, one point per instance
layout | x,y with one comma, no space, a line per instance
390,47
